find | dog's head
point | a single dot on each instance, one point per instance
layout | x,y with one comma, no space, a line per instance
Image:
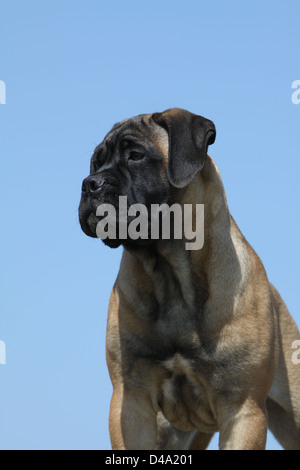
148,159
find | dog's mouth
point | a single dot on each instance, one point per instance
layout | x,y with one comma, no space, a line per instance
118,219
112,231
89,224
88,208
88,221
92,222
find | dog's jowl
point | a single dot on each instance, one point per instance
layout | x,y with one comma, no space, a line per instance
198,340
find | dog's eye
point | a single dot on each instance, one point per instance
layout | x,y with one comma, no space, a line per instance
136,156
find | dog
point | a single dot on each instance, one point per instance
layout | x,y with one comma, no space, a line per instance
197,341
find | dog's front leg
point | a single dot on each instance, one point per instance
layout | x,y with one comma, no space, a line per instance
243,427
132,420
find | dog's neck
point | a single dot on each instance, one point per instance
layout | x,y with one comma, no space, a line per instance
181,274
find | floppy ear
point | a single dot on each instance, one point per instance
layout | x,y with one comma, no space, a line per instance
189,137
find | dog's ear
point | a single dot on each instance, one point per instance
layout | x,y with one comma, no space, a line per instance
189,137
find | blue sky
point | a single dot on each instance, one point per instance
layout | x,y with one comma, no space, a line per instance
72,69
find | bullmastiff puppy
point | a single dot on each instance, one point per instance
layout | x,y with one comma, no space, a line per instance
198,341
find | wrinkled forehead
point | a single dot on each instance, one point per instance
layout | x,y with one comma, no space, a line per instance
138,126
141,128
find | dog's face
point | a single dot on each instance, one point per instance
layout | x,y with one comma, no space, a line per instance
148,159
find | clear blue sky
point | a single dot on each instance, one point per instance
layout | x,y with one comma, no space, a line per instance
72,69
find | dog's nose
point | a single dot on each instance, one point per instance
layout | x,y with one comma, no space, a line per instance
92,183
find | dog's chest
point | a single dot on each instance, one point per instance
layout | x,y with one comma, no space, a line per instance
184,396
